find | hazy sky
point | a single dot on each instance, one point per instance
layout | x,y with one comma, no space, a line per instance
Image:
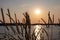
21,6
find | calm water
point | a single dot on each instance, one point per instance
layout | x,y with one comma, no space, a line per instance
53,31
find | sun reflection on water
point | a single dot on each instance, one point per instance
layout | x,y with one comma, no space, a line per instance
37,32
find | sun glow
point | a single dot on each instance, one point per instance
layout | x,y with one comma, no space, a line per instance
37,11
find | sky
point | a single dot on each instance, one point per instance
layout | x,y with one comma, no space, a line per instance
21,6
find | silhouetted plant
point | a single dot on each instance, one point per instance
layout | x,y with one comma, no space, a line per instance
17,24
3,18
28,26
10,20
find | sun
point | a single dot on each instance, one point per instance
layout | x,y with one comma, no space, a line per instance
37,11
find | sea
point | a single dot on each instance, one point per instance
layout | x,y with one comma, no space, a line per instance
53,32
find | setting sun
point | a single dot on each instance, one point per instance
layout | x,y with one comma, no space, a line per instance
37,11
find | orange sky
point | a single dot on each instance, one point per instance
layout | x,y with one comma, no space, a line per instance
21,6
